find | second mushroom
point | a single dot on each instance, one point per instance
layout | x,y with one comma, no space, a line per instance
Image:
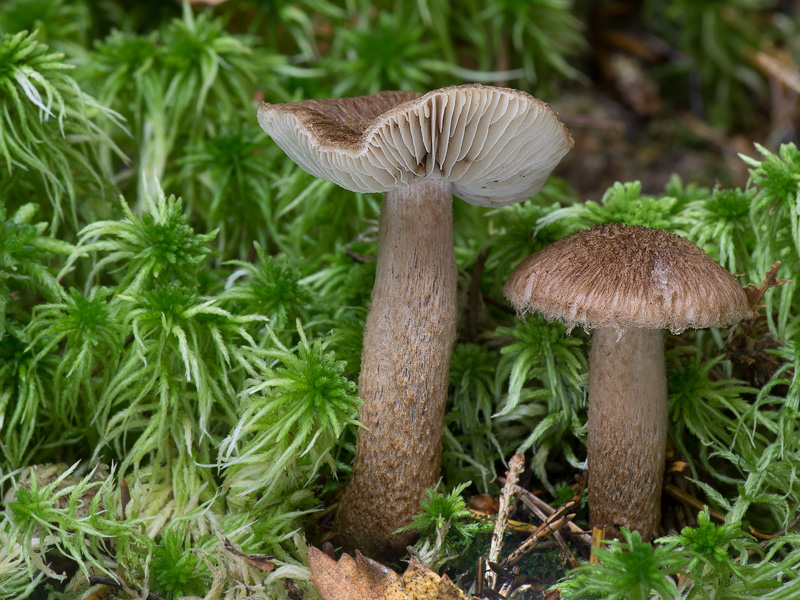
627,284
489,146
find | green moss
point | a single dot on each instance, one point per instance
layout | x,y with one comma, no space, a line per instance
207,338
177,570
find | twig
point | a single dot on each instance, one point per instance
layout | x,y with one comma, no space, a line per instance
598,533
325,512
551,524
559,539
259,561
764,537
693,502
573,530
515,467
783,531
546,529
359,258
681,496
755,293
479,577
515,526
509,584
684,514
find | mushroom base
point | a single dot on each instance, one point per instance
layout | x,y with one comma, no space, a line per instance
408,339
626,440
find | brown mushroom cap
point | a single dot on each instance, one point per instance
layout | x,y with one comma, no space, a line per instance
496,145
624,276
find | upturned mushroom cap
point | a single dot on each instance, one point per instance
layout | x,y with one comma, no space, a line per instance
496,145
624,276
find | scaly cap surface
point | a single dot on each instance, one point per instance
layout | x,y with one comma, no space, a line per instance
624,276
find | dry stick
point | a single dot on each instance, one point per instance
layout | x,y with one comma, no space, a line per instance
512,525
783,531
598,533
515,467
545,529
681,496
755,293
573,530
764,537
506,588
551,524
752,552
559,539
523,591
503,574
325,512
479,577
693,502
359,258
684,513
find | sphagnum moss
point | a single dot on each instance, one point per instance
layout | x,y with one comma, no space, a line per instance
49,142
103,370
294,409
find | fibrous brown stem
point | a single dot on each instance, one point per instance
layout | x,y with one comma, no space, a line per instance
626,440
408,339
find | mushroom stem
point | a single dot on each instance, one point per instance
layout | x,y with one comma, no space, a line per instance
408,339
627,434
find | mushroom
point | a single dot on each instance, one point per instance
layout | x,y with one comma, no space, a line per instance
489,146
627,283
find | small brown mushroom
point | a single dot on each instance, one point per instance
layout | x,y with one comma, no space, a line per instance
627,283
489,146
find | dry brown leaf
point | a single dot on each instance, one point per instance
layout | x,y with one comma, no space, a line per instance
349,578
484,503
755,293
362,578
420,583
